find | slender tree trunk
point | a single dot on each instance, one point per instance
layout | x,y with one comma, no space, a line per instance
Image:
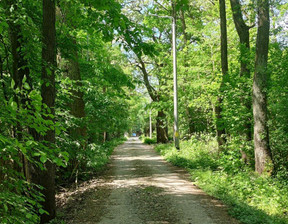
263,156
2,161
243,33
19,64
186,66
161,128
220,128
77,107
105,134
161,125
19,70
2,79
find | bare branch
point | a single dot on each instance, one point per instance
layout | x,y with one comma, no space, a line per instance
162,6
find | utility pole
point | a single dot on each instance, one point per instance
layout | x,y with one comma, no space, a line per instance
150,116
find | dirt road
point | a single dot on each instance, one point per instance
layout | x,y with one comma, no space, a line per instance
140,187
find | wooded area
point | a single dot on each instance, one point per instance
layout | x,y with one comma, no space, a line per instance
77,75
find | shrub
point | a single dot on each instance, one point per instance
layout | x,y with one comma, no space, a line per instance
150,141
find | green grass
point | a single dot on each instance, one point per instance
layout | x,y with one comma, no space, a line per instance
251,199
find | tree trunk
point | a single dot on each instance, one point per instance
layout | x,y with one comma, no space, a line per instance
161,128
46,178
77,107
4,91
188,113
105,134
243,33
19,70
220,127
19,64
263,156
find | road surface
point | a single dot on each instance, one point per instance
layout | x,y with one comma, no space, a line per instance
139,187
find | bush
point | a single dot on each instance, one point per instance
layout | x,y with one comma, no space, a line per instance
88,162
150,141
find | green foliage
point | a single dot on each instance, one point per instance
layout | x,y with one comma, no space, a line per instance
251,198
99,155
149,141
201,148
278,101
16,204
86,163
22,123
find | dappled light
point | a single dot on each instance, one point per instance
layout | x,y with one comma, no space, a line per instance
140,187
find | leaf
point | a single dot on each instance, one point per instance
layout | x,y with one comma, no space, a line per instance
43,158
12,83
26,86
13,105
57,131
36,154
49,72
58,162
24,79
23,149
28,143
42,211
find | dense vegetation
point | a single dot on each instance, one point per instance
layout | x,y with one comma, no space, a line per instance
76,75
250,198
65,91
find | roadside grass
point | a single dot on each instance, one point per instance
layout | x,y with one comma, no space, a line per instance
250,198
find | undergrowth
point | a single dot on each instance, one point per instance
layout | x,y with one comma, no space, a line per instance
88,162
149,141
251,198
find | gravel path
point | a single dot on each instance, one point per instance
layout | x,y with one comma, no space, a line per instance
140,187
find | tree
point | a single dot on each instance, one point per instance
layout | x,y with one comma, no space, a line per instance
70,52
145,59
161,125
244,37
46,178
263,156
220,127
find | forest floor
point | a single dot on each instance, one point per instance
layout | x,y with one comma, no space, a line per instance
140,187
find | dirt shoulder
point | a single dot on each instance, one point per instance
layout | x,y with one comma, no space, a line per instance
140,187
